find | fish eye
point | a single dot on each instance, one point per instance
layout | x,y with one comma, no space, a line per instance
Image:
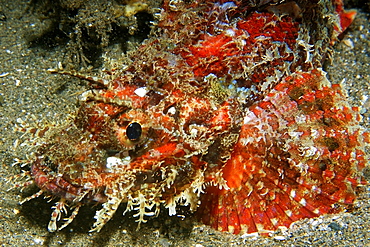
133,131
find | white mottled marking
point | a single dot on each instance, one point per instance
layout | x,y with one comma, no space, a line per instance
113,163
303,202
141,91
172,110
274,221
249,117
301,119
292,194
230,32
231,229
289,213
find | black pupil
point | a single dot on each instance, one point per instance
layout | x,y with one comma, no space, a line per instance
133,131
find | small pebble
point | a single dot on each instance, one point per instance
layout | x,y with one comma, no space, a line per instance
349,43
335,226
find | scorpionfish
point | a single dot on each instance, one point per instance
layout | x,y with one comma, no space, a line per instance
223,109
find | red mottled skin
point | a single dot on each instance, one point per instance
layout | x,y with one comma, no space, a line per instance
238,122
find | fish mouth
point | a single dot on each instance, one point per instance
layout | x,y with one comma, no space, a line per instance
58,185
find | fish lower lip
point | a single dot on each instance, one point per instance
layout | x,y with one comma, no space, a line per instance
56,185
